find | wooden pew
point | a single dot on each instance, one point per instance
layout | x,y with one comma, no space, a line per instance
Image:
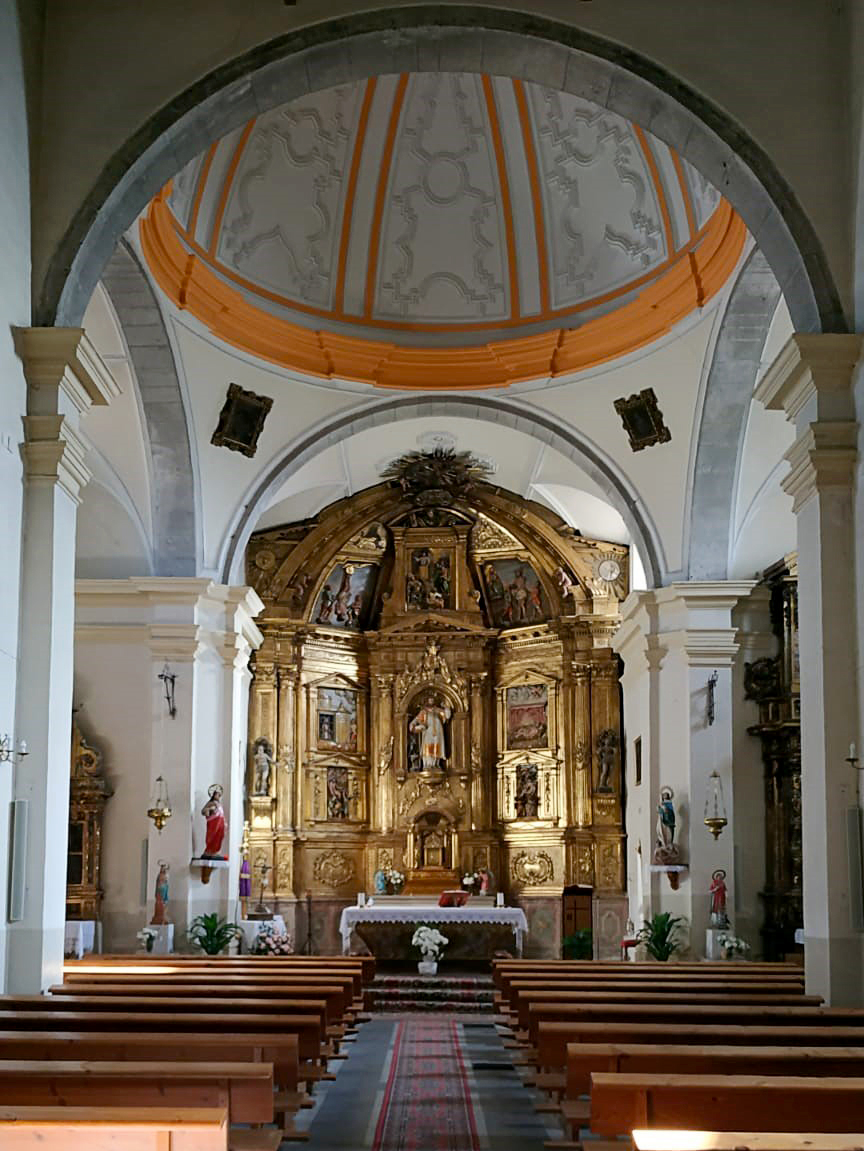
110,1128
694,1059
651,1139
363,965
281,1051
685,1015
620,1103
508,1000
553,1037
307,1028
338,994
245,1089
540,1006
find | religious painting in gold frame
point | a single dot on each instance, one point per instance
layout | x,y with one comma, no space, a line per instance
527,716
429,580
514,593
344,598
336,719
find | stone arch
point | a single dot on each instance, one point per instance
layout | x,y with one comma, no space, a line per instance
172,478
466,38
728,392
621,493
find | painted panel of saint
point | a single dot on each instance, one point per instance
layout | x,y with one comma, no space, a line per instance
337,718
429,583
338,799
514,594
344,599
527,798
429,733
528,716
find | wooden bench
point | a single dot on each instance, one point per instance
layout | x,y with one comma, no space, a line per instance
583,1059
363,965
244,1089
110,1128
656,1140
538,1006
554,1037
620,1103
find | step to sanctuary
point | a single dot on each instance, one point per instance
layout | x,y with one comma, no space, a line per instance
405,993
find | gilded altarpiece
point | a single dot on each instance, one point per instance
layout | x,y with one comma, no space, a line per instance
438,689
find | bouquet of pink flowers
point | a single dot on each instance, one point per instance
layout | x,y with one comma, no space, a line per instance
271,941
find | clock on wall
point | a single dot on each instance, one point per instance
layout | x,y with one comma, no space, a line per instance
608,569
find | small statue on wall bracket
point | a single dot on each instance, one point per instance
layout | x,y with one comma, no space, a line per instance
667,854
214,813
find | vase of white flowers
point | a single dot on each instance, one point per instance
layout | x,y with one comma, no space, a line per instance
470,881
395,881
430,943
733,947
147,937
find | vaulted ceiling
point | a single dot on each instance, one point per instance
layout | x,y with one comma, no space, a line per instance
440,230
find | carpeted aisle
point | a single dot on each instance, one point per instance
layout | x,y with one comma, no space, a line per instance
423,1083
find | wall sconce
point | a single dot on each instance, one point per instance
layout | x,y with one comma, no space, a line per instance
715,807
168,678
160,808
852,758
710,713
7,754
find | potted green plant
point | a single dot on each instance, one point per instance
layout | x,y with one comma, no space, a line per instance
578,945
660,935
212,934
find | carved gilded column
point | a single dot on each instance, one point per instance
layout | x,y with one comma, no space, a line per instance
579,808
480,814
383,743
287,748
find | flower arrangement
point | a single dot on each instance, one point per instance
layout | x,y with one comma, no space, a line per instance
430,941
395,879
147,937
271,941
733,946
470,880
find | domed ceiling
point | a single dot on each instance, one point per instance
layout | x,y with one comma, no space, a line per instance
440,230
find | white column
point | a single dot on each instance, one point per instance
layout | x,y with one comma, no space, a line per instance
811,380
671,641
65,376
205,633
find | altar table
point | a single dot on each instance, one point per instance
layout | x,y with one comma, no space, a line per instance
512,918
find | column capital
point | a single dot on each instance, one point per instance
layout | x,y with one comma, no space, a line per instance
812,367
823,457
62,360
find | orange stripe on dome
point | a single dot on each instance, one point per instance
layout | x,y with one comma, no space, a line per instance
226,187
504,185
651,161
685,192
381,195
692,278
536,194
203,176
351,191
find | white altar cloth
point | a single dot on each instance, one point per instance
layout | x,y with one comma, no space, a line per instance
512,917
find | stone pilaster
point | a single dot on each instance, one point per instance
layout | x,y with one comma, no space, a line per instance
672,640
812,382
65,377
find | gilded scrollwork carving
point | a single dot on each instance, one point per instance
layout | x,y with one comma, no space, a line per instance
284,868
385,756
532,868
333,869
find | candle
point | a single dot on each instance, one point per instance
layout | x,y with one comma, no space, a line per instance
499,899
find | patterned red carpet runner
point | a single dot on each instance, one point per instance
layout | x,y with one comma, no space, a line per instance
427,1100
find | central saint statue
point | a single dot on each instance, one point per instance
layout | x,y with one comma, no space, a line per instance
428,726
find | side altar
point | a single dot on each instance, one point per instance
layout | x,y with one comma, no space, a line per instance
436,694
474,931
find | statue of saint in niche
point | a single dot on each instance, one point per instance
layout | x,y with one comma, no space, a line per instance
428,734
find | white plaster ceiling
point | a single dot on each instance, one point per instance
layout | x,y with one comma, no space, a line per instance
435,201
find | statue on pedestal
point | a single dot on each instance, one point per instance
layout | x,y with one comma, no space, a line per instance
717,891
263,759
160,909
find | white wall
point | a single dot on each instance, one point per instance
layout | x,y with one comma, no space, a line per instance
14,311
